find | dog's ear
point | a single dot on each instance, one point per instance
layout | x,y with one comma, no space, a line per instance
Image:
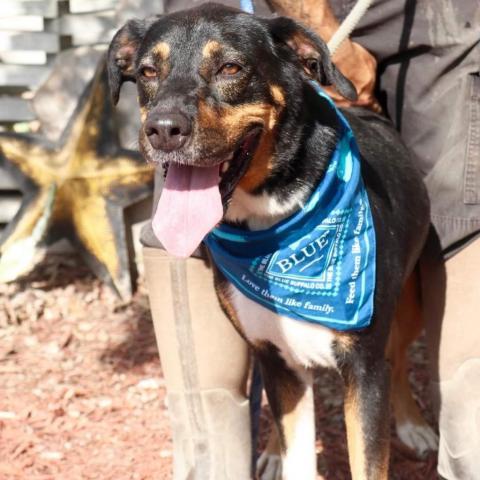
313,54
122,53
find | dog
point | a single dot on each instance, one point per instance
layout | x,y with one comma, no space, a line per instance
225,91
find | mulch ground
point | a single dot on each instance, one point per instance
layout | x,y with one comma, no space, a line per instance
82,394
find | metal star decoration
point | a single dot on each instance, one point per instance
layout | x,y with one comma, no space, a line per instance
76,188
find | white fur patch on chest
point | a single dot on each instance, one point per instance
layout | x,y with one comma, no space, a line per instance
263,211
300,343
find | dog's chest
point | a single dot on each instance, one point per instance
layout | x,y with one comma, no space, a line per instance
300,343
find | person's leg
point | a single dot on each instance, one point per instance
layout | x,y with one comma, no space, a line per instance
454,345
205,363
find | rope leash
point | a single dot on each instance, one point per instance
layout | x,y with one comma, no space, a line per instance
348,25
345,29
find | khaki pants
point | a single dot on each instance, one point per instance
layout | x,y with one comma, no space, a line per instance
452,301
205,363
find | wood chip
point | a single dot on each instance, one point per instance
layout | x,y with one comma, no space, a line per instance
76,409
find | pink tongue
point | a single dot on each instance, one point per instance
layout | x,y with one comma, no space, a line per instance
189,207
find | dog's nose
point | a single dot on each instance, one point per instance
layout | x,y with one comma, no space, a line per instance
168,131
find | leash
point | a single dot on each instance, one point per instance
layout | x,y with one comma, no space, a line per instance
348,25
345,29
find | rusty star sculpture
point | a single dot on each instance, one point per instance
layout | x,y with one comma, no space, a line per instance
78,188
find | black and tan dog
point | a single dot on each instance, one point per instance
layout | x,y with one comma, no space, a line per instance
221,88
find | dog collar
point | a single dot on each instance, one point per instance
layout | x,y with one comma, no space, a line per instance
319,264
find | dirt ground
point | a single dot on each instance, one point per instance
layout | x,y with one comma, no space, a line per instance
82,394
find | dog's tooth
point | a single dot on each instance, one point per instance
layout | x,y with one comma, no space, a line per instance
225,166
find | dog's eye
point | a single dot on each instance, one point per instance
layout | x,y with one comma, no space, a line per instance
148,72
229,69
312,64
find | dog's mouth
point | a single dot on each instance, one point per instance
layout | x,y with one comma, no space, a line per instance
232,170
194,197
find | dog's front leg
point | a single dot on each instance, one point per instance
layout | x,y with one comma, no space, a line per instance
290,394
367,408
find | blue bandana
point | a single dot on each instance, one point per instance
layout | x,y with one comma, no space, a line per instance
319,264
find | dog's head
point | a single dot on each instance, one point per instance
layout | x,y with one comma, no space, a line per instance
214,86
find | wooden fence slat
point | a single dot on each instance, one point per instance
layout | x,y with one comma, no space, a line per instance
14,109
44,8
127,9
6,181
43,41
84,6
24,23
22,76
88,29
24,58
9,205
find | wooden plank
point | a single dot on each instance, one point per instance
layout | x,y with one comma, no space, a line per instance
88,29
14,109
43,8
127,9
24,58
22,76
83,39
46,42
6,181
9,205
83,6
24,23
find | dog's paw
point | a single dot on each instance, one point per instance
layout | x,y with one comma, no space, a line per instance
269,467
419,437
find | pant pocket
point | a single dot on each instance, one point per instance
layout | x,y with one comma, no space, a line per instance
471,193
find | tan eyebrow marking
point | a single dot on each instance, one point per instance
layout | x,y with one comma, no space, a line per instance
210,48
162,49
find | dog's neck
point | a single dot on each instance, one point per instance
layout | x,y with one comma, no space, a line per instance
306,139
261,211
